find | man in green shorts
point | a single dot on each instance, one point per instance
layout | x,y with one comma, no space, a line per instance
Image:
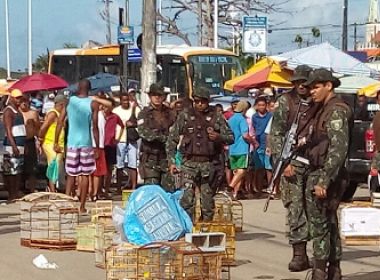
239,150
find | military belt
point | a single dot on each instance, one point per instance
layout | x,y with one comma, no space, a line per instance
198,158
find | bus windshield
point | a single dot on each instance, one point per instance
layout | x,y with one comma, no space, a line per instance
213,71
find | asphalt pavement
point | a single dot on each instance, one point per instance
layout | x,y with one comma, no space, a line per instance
262,251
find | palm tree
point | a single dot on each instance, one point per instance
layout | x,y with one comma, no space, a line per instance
41,63
316,32
70,45
298,40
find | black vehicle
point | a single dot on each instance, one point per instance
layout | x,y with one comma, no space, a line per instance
362,140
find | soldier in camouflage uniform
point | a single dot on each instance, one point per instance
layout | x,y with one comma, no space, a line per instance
153,125
202,129
293,181
325,183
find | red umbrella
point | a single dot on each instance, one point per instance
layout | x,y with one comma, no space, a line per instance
40,81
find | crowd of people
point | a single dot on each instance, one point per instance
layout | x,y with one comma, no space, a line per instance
192,145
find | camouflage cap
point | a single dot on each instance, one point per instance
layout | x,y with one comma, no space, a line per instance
156,89
322,75
301,73
202,92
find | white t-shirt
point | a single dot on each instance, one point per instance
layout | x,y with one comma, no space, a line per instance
269,126
101,127
125,115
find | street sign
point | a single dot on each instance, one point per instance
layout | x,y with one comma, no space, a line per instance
125,35
255,34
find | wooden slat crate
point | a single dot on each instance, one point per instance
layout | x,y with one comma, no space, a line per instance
228,229
86,237
212,266
103,240
361,240
103,208
48,220
170,260
121,262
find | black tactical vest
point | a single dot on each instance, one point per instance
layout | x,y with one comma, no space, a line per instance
195,141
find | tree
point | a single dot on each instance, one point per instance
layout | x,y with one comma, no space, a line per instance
41,63
69,45
316,32
203,10
298,40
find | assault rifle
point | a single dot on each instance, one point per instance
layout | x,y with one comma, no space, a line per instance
287,153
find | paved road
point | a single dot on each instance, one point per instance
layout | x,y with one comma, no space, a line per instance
262,252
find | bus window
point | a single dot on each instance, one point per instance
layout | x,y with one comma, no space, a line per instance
172,73
88,66
213,71
65,67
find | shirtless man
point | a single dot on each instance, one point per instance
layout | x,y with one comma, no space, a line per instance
32,127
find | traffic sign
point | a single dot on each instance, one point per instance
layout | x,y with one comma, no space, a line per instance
125,35
255,34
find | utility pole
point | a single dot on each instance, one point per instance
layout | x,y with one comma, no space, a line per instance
149,60
160,23
216,21
200,23
108,21
7,40
345,29
124,79
355,36
30,65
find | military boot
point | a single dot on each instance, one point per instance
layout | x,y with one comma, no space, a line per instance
334,272
300,261
319,270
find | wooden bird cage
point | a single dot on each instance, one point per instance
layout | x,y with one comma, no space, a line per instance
121,262
48,221
103,240
86,237
170,260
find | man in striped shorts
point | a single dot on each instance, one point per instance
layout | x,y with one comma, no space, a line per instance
81,112
14,141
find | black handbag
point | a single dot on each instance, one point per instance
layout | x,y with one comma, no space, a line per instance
132,134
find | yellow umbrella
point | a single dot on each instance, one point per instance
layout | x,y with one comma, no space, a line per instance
370,91
266,72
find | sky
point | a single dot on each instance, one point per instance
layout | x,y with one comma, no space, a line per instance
55,22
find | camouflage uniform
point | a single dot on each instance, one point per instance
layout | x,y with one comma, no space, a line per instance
292,188
327,154
196,167
153,127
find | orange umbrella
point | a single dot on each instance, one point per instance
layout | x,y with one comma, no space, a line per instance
265,73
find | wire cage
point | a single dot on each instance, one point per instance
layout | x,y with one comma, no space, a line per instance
48,221
125,196
121,262
103,240
237,215
170,260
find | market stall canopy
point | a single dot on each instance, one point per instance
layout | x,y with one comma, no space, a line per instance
352,84
39,82
370,90
326,56
265,73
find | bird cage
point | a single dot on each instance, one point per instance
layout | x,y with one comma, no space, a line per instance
125,196
228,229
170,260
212,266
223,208
121,262
102,212
86,237
237,215
103,240
48,221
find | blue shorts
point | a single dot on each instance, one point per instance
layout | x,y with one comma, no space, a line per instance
127,155
261,160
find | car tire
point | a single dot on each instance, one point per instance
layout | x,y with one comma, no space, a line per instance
350,191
